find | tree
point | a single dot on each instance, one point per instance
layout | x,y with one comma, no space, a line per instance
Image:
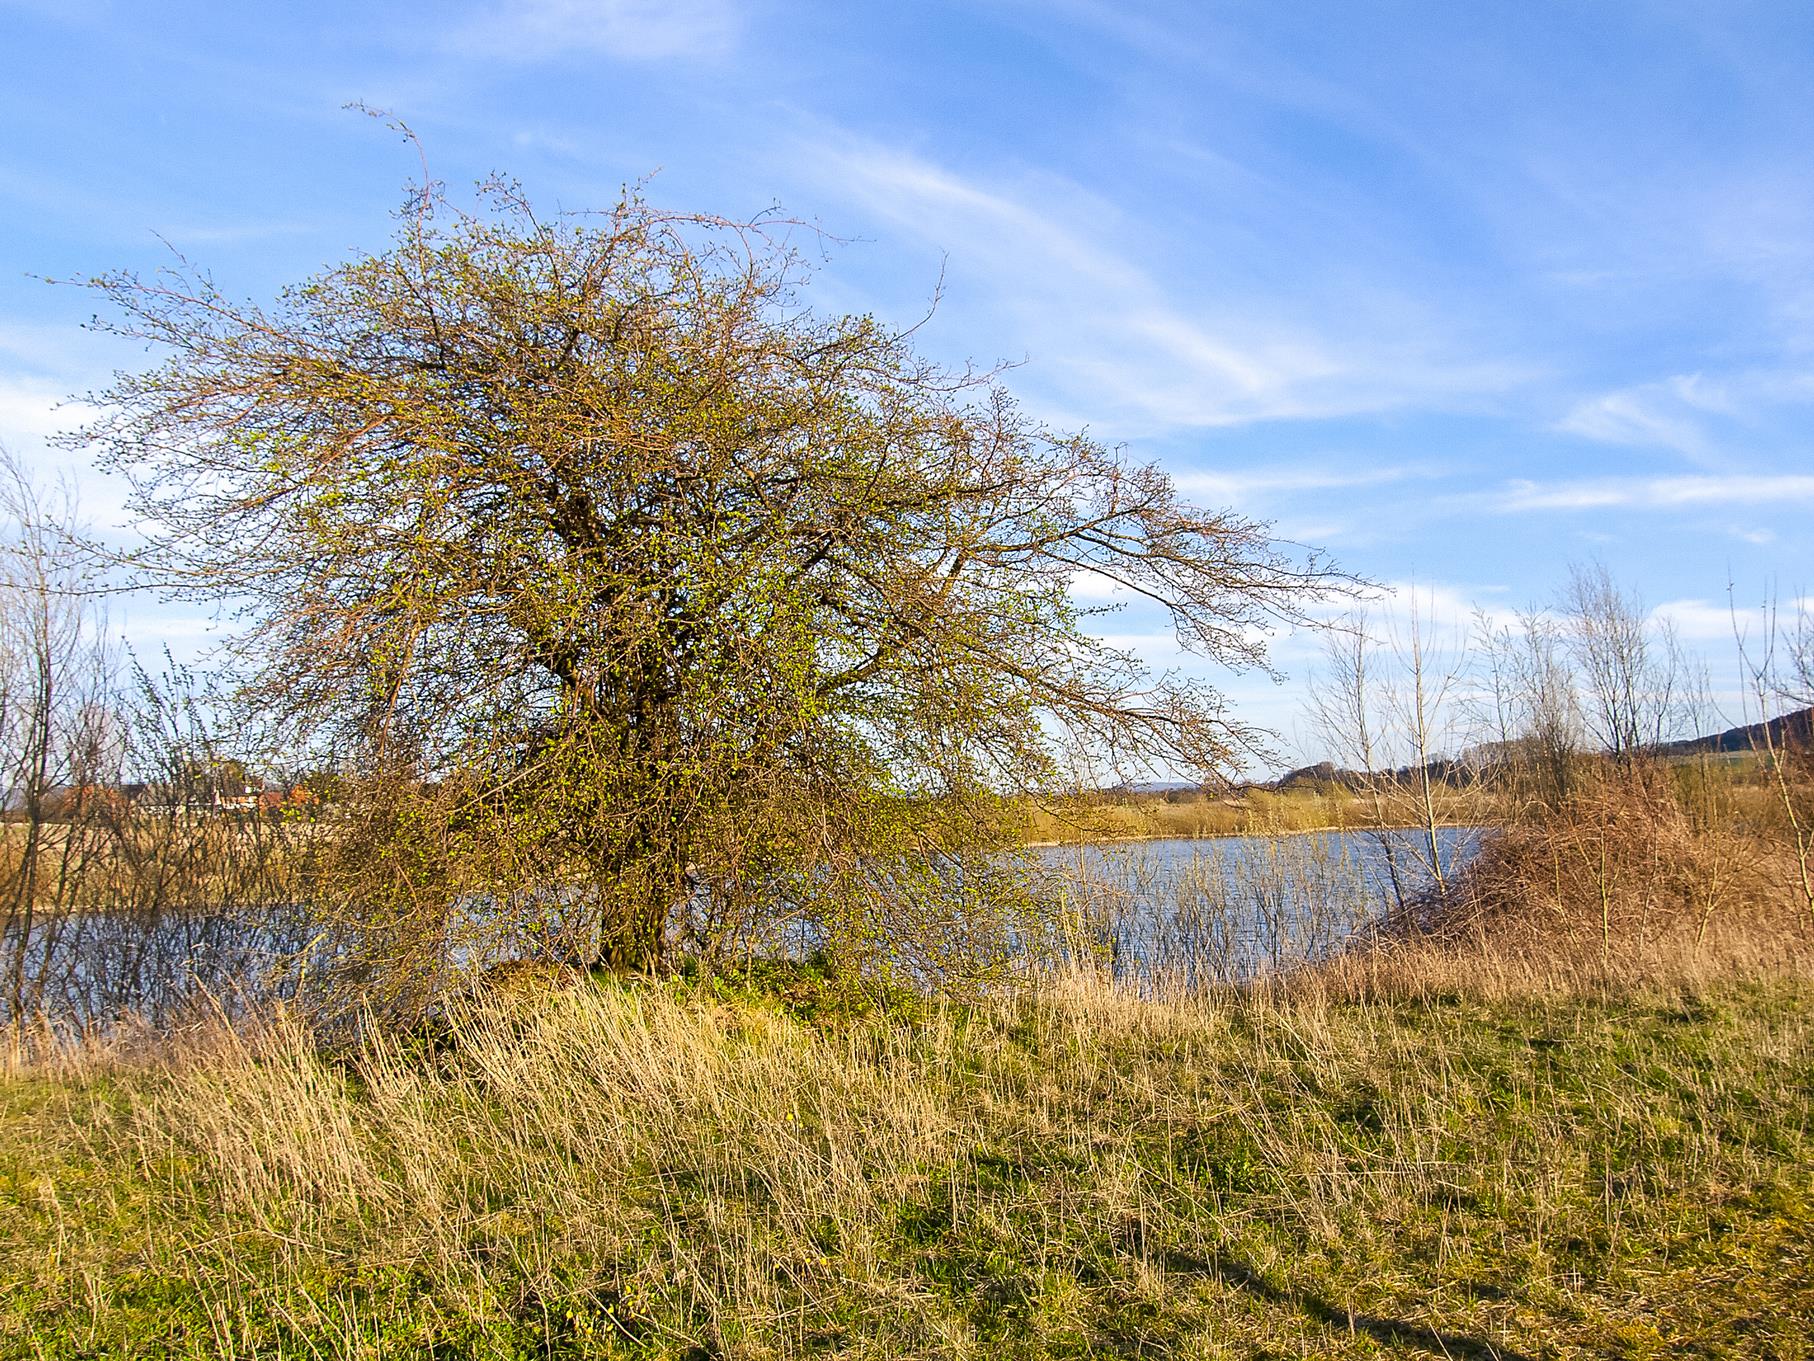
56,737
1634,676
1528,706
1384,707
653,577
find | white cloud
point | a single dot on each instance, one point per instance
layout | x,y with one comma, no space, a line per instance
1688,413
1699,621
1443,613
1158,650
204,234
1654,493
1665,415
33,409
1092,588
1137,350
1244,484
633,30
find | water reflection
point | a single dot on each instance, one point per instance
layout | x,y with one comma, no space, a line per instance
1214,910
1227,909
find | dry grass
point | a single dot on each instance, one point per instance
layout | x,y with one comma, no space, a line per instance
1427,1168
1639,859
1251,812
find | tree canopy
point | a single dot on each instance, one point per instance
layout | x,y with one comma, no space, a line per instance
658,577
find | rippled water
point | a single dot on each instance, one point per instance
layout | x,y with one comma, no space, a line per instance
1217,909
1228,908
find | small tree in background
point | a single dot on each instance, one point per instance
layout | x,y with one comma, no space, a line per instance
1636,684
1527,708
607,564
1385,706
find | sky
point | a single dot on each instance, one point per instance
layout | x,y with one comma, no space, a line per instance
1460,294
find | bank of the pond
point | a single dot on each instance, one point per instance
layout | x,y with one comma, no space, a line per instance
670,1171
1331,829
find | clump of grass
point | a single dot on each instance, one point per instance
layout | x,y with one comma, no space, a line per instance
677,1170
1640,857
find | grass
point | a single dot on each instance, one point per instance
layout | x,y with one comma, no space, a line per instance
1499,1168
1246,812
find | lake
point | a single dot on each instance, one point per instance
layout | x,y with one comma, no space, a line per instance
1221,909
1226,909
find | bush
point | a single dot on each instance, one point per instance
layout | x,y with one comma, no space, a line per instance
1639,852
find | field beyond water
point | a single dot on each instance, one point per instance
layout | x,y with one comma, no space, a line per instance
1455,1164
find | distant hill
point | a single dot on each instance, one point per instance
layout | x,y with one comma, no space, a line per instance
1319,776
1155,787
1796,727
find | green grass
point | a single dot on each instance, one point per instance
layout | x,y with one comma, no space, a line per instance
671,1171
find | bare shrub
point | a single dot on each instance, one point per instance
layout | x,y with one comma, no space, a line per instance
1623,863
133,875
1386,706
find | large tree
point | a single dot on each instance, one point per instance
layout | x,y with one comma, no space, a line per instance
670,579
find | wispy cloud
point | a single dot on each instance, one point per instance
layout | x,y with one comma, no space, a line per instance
33,409
1444,613
1667,415
1653,493
232,233
1691,414
1140,352
1239,485
1701,621
634,30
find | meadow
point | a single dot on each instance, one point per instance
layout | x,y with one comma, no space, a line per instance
1434,1154
1564,1108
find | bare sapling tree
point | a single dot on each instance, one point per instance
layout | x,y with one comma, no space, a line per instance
124,883
57,740
1778,676
1633,673
1526,707
1638,689
608,565
1344,711
1422,707
1385,707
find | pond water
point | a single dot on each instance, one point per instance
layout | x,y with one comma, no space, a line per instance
1219,909
1225,909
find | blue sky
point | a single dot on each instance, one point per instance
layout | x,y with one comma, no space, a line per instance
1457,292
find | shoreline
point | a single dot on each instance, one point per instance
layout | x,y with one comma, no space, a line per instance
1134,837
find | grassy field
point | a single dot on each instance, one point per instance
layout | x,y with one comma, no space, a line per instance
1247,812
1454,1165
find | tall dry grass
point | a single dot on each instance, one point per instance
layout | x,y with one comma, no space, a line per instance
1249,812
1640,857
656,1170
